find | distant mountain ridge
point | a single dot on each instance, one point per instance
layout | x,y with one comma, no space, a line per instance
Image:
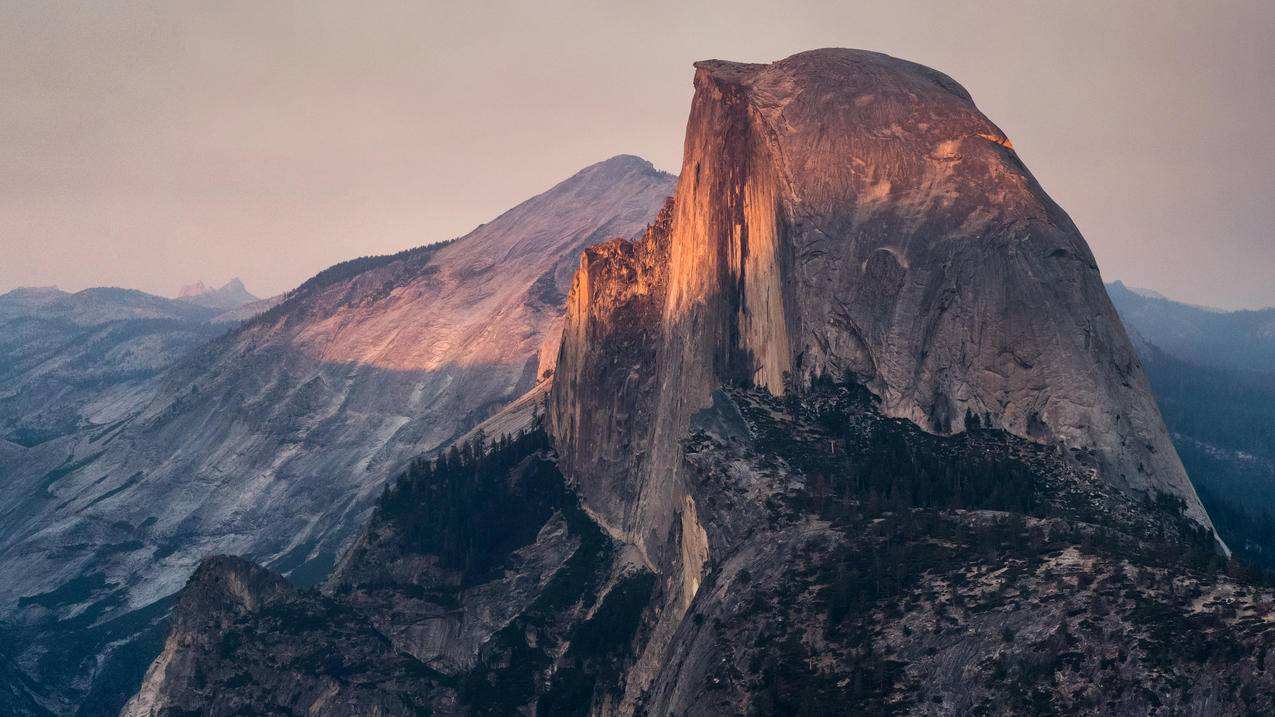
1243,340
1213,377
230,295
97,305
69,360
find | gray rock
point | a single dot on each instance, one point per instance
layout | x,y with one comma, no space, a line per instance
273,441
843,211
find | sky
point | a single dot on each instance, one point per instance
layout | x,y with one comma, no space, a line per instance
149,145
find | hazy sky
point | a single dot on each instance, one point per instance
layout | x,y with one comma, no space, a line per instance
152,144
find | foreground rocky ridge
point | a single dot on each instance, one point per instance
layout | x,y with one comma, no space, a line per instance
857,564
233,608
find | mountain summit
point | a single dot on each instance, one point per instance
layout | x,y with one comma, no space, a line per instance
849,213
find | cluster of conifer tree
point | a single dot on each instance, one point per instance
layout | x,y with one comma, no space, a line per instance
475,501
881,463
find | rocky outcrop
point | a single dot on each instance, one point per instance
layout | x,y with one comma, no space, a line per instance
846,212
275,649
274,441
493,589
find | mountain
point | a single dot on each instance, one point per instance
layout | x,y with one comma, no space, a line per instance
229,296
1240,340
68,361
1216,388
192,290
831,229
274,440
852,428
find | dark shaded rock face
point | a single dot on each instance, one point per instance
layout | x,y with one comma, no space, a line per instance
269,648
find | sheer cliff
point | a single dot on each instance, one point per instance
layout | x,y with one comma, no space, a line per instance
274,440
846,212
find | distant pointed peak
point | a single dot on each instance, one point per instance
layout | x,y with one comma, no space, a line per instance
195,289
228,296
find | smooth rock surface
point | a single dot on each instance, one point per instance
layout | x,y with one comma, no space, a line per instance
844,211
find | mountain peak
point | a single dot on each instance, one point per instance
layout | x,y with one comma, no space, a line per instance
847,213
624,160
617,166
198,288
230,295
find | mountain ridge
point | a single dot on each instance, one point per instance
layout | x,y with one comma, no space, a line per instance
275,440
230,295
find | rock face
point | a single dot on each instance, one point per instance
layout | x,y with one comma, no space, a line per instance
847,212
230,601
273,441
